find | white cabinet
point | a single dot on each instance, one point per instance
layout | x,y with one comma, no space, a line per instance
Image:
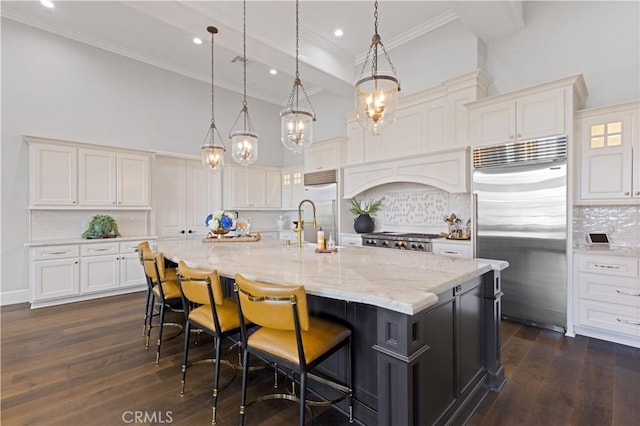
184,194
72,272
251,188
109,178
521,118
99,267
292,187
608,297
324,155
55,272
452,248
350,240
53,175
72,175
609,154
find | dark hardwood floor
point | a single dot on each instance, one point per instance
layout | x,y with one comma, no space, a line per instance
85,364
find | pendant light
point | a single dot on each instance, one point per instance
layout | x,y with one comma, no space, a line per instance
376,95
212,149
244,142
296,122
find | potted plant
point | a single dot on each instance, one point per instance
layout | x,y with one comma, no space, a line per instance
364,210
101,226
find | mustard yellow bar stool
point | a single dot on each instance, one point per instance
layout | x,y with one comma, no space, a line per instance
144,245
208,310
289,336
163,284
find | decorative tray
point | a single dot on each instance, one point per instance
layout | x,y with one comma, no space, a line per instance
244,239
333,250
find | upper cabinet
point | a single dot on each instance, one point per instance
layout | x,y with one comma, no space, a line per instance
523,118
426,122
324,155
609,154
73,175
53,175
292,187
248,188
109,178
532,113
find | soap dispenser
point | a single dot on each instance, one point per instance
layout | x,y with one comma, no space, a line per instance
321,245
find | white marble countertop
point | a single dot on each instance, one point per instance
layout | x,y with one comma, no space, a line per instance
607,249
398,280
59,241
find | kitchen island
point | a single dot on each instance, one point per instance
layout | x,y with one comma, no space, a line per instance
426,327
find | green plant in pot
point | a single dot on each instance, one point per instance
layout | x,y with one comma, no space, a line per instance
101,226
364,210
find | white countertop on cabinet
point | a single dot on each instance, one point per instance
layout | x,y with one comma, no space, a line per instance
398,280
55,242
607,250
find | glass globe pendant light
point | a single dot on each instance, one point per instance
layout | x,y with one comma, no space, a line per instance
212,149
376,95
244,142
296,122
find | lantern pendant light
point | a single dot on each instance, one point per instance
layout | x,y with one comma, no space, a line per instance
376,95
244,142
296,122
212,149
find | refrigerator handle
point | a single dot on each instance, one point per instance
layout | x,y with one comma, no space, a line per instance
474,223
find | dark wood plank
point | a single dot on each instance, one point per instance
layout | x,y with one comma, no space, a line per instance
626,390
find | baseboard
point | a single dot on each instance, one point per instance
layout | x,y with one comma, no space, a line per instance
14,297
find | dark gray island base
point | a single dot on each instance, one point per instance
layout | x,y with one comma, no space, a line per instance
433,367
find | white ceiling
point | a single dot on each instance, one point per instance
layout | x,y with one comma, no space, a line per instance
161,33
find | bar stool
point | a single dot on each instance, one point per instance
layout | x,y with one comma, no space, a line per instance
163,284
207,309
289,336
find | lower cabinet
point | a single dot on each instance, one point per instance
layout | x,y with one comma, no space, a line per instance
452,248
607,289
67,273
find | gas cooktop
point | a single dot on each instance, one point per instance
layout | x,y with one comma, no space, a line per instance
400,240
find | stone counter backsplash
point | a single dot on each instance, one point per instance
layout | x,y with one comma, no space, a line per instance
622,223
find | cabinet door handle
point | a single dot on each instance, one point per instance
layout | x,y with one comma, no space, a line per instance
100,249
626,193
606,266
628,293
637,192
60,252
451,252
628,321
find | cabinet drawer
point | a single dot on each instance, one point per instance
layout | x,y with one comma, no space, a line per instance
350,240
624,291
451,249
619,319
609,265
55,252
132,246
98,249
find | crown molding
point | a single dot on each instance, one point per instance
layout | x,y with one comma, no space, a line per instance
415,32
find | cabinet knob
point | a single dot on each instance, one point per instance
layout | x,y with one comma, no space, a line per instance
182,232
74,202
190,231
626,193
519,135
113,202
637,192
511,137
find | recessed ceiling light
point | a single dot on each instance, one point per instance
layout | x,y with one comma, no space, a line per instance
338,33
48,4
273,71
197,40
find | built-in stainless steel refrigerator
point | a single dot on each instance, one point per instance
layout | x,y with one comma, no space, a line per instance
521,217
322,189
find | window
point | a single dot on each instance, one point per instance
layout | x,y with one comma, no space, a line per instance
606,134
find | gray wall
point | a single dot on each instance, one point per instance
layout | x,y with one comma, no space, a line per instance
58,88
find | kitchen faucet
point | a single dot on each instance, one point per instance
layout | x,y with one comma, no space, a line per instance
298,227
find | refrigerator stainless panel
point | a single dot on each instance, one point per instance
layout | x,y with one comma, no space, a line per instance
324,197
521,218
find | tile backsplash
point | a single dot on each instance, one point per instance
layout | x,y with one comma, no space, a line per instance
417,208
622,223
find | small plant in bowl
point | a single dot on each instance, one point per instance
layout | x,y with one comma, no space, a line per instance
364,210
101,226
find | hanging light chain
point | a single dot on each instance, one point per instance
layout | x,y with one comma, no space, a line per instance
375,18
212,85
244,51
297,39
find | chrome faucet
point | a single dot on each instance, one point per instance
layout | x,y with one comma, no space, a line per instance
298,227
